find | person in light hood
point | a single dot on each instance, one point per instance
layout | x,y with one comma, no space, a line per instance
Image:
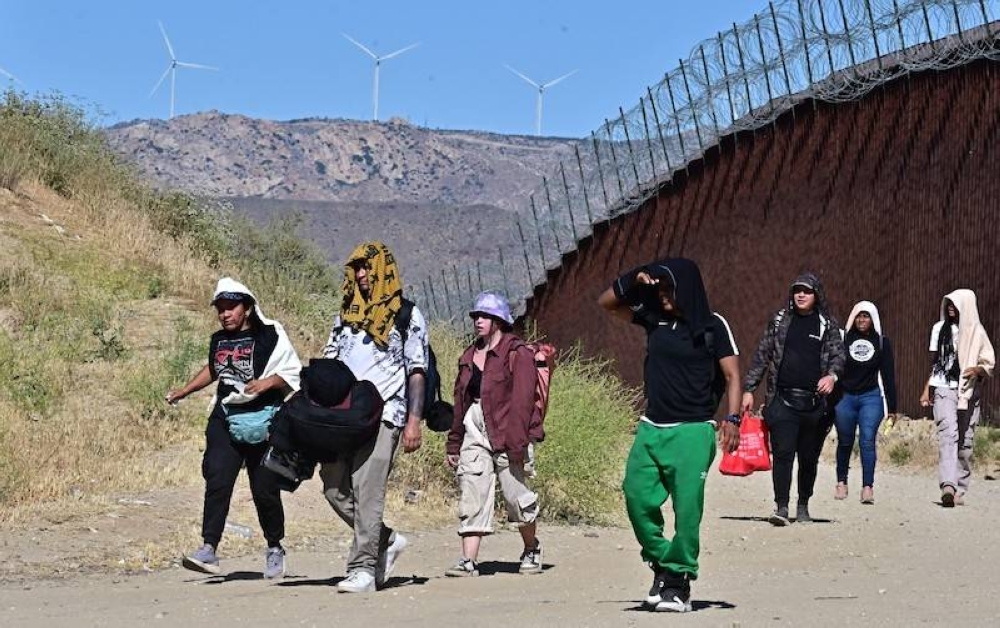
256,368
962,357
869,395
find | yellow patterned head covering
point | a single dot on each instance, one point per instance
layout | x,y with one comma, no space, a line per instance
376,314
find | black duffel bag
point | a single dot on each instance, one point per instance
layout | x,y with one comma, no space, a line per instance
333,414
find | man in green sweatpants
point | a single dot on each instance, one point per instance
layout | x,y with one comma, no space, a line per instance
687,345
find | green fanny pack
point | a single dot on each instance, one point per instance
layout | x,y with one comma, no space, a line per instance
249,426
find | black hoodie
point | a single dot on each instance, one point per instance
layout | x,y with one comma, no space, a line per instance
679,369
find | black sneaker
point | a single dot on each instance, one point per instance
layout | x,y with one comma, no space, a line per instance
675,596
802,514
780,517
659,579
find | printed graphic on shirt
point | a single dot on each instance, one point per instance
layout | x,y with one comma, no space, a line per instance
862,350
233,362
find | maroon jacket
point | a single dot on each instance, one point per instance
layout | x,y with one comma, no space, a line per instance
508,398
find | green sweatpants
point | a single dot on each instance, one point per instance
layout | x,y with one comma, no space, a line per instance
669,462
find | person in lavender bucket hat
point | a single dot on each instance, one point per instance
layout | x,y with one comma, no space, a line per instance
492,433
493,304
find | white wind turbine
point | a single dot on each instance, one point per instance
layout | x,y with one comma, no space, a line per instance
541,87
378,63
172,69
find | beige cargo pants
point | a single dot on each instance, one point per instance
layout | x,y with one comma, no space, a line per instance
478,470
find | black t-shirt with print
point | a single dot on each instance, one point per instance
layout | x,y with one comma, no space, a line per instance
679,372
236,358
864,358
800,361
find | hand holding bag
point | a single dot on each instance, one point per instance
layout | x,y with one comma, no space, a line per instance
753,453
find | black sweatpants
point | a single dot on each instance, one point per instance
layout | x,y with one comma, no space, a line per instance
220,467
794,433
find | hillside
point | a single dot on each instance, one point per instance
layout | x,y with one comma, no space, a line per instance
218,154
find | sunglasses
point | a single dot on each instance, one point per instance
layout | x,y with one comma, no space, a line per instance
803,290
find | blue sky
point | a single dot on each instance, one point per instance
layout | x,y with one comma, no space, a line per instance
283,60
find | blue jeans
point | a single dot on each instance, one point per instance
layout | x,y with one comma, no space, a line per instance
858,413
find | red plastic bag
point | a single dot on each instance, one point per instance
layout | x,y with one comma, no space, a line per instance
754,451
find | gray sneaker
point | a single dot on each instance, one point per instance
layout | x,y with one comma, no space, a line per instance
780,517
204,560
463,569
802,514
274,563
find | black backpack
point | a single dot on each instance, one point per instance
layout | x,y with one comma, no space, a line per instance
438,414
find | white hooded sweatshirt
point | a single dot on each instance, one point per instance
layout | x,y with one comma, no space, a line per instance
973,346
283,362
868,306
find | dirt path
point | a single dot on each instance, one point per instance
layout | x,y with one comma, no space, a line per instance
903,562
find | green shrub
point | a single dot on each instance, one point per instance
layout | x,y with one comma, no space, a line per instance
179,359
32,378
900,453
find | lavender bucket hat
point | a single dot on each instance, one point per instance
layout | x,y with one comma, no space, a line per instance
493,304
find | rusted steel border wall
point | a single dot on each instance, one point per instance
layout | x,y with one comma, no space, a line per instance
894,198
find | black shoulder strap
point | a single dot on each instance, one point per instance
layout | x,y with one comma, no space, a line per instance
403,319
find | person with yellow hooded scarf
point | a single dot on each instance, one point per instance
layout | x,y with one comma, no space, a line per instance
366,338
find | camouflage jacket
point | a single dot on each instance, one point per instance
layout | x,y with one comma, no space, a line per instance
771,349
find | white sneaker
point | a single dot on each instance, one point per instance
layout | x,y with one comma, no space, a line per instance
357,582
392,554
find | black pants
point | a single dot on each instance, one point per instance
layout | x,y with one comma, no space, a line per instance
220,467
793,433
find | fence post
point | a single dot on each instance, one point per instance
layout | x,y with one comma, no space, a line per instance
847,33
677,121
743,69
927,24
503,271
583,185
708,93
649,144
524,248
447,295
631,153
538,232
659,130
826,36
871,22
805,45
958,22
600,172
552,215
899,24
569,206
763,59
781,49
614,161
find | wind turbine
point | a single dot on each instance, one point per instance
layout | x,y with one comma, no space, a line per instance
378,63
541,91
172,69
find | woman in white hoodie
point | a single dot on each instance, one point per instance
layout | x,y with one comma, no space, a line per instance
256,367
961,357
869,395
